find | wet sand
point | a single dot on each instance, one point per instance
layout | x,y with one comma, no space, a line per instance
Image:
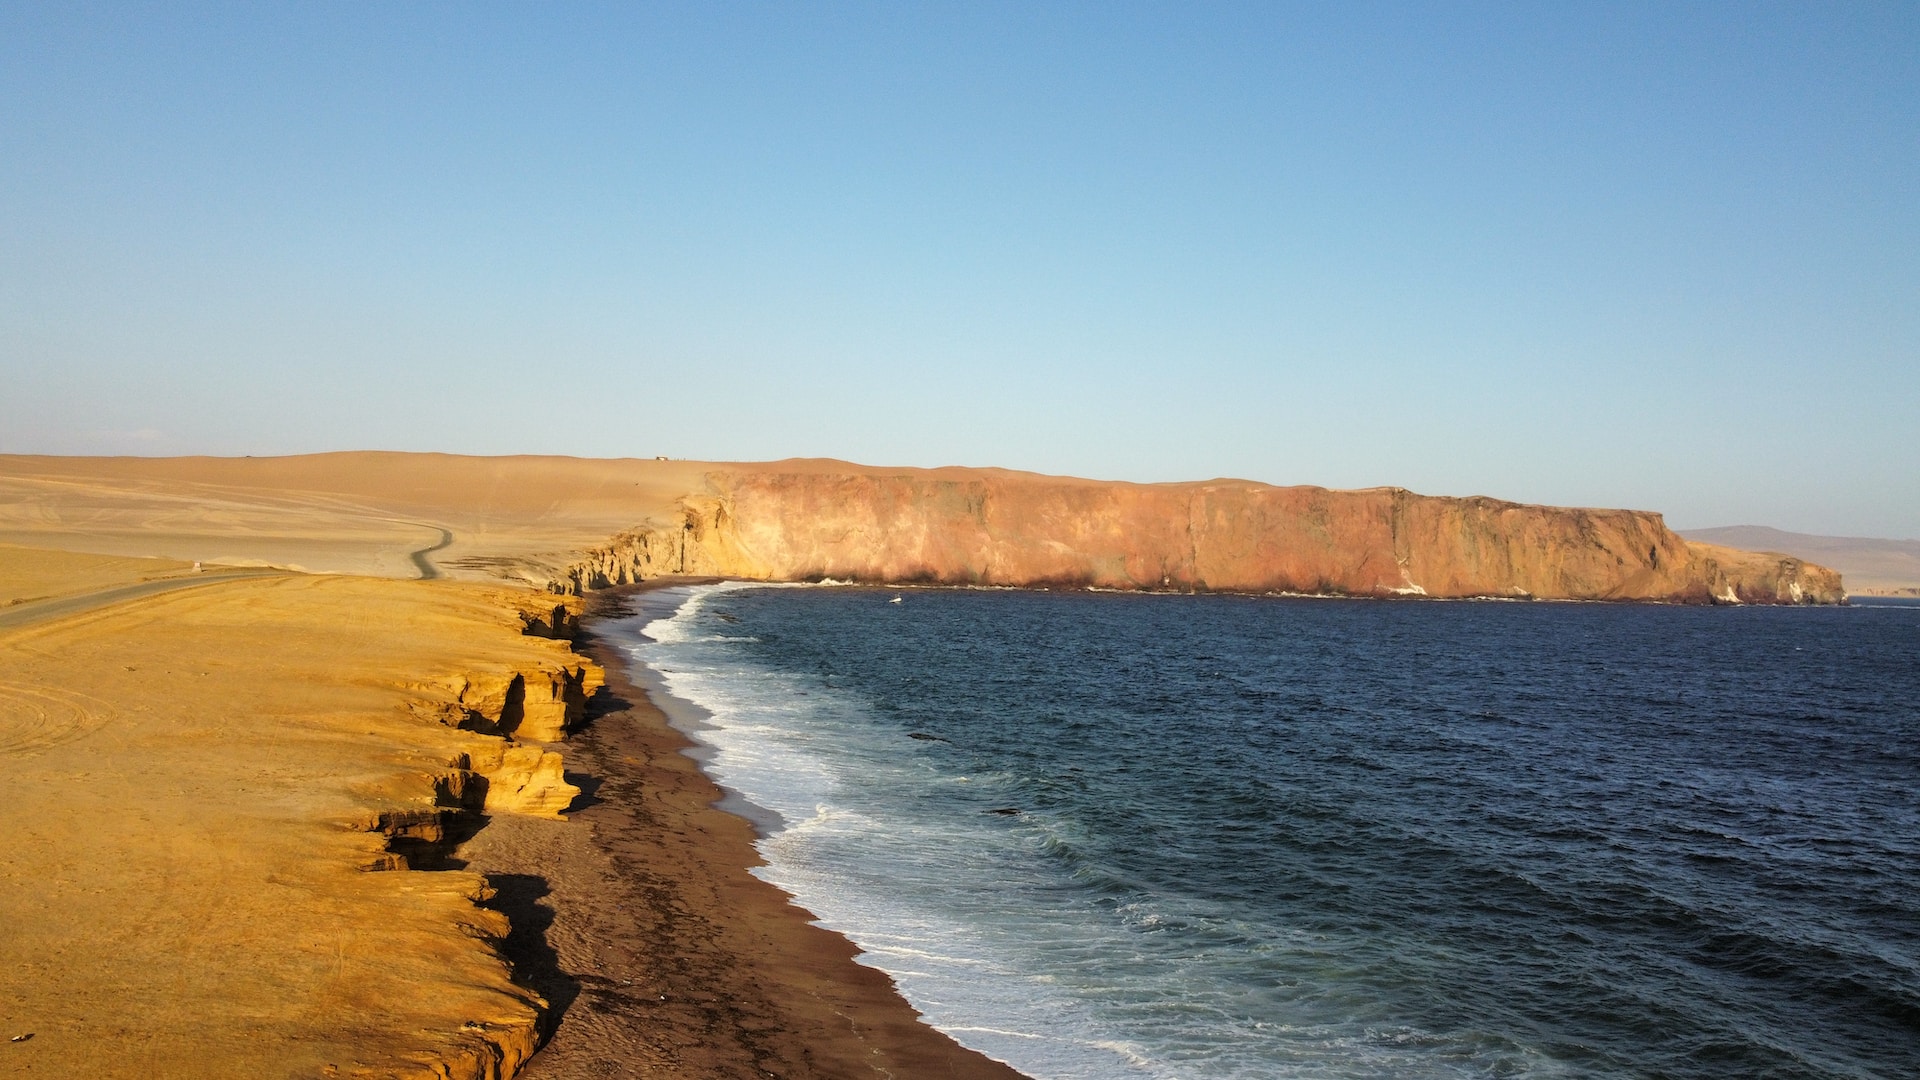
662,955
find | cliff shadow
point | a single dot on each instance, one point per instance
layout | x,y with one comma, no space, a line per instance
589,786
606,699
535,964
434,848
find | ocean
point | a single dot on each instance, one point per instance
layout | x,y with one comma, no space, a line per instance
1098,835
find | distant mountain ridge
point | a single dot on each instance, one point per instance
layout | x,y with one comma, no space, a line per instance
1869,566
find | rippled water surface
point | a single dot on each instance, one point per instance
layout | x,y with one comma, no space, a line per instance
1158,836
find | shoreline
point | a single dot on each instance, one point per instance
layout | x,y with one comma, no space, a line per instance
658,950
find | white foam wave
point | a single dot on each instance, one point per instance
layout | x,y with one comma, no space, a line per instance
978,918
976,1029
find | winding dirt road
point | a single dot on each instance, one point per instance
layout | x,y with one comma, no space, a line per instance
428,571
19,615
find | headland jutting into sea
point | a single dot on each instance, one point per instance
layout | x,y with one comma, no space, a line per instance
235,662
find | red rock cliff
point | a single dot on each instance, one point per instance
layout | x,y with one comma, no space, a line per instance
811,520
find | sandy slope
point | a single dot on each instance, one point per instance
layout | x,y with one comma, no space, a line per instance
1871,567
30,575
362,513
192,777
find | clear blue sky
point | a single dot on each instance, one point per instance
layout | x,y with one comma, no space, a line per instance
1664,256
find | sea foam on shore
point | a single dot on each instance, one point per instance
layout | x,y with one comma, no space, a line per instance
1219,837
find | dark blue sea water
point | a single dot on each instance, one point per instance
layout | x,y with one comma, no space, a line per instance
1167,836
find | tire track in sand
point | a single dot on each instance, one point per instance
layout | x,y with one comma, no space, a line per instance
37,718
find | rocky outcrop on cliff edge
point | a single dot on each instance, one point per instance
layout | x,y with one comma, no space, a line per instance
813,521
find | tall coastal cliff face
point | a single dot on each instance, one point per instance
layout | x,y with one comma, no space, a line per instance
989,527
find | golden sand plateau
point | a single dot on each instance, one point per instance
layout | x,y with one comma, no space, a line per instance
509,518
200,782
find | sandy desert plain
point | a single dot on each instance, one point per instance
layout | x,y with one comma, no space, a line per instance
312,773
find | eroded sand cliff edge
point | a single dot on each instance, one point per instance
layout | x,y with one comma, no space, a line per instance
813,521
232,823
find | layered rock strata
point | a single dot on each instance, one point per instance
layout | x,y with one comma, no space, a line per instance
542,704
813,521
